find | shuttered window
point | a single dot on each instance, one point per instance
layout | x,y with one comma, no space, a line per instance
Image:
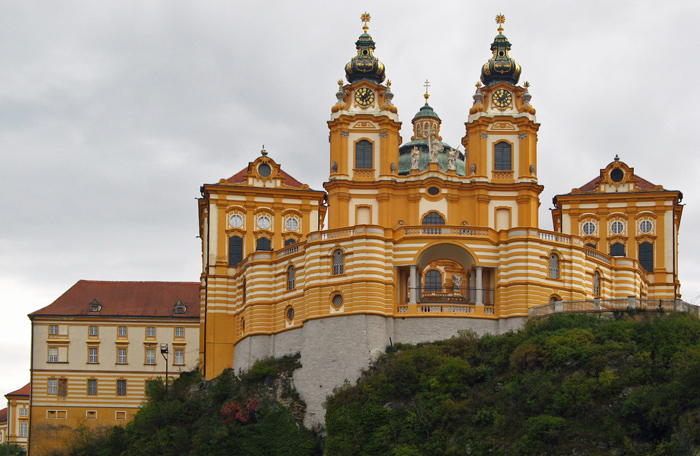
646,256
338,262
363,155
263,244
433,280
553,266
235,250
433,218
617,249
502,160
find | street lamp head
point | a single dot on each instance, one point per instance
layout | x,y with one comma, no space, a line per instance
163,349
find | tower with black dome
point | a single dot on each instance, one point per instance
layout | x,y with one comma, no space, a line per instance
501,138
364,137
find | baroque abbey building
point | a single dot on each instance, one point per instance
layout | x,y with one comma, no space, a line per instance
416,241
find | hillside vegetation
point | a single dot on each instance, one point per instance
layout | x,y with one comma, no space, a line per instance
565,385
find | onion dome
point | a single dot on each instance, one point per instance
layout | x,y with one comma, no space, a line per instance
500,68
365,65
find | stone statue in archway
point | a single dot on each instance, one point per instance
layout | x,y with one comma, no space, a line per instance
456,283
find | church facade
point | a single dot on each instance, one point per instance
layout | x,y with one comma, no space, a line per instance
416,241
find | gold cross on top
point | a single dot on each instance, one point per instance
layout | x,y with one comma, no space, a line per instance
500,20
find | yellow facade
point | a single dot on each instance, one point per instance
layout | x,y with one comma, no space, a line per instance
96,347
417,231
16,426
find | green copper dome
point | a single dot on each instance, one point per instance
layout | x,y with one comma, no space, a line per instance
426,111
365,65
500,68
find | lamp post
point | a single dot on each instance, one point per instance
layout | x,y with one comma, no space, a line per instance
164,352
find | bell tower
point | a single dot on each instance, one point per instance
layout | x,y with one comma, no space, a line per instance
501,133
364,131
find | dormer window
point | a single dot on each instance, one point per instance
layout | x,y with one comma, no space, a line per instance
95,306
180,308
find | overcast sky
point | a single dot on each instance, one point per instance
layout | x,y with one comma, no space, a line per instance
112,114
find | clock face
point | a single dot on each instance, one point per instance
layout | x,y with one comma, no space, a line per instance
292,224
236,221
264,222
364,96
502,98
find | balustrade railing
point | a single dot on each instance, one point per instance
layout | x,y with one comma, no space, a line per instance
445,230
614,305
453,295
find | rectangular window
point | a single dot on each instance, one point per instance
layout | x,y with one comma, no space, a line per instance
179,332
150,356
179,356
121,356
121,387
121,331
150,331
91,415
92,387
53,386
56,414
120,415
62,387
24,412
24,429
92,355
53,330
53,354
93,331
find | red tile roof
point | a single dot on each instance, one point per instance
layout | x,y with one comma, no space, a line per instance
23,391
239,178
3,415
593,184
128,299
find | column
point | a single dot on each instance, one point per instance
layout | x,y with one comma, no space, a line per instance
479,286
413,284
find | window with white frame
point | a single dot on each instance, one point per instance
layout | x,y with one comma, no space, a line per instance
92,355
53,354
150,331
93,331
121,387
24,412
121,356
290,277
53,330
338,262
589,228
179,356
92,387
121,331
179,332
150,356
617,227
23,429
53,386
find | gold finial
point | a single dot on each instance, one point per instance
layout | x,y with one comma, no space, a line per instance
388,82
340,82
527,84
365,18
427,95
478,84
500,20
263,151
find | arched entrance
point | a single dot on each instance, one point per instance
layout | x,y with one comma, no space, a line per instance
447,274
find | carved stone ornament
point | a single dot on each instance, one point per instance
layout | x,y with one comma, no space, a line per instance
473,168
451,159
393,167
415,155
522,136
532,169
334,166
483,135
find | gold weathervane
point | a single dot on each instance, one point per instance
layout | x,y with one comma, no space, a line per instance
427,95
365,18
500,20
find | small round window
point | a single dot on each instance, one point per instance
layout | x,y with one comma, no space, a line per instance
290,313
589,228
645,226
292,224
433,191
236,220
337,300
264,170
264,222
617,175
617,227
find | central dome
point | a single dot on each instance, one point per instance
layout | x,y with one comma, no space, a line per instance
365,65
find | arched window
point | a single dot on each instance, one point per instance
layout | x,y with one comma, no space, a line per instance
338,262
363,155
433,280
553,266
596,284
646,256
593,246
617,249
235,250
502,159
433,218
290,277
263,244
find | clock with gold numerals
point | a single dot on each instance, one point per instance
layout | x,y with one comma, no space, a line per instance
364,96
502,98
